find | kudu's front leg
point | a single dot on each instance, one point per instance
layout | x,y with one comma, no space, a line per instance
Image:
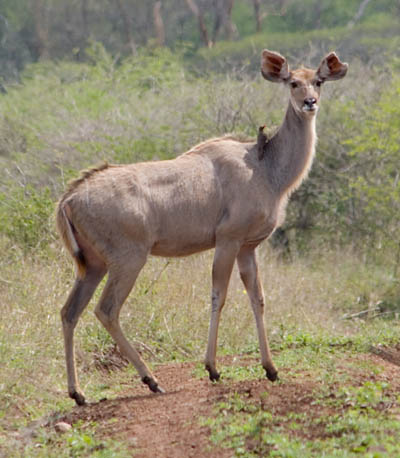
248,269
121,278
224,258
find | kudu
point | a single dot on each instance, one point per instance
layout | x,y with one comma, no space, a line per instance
222,193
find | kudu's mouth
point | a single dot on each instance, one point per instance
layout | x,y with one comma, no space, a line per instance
310,105
309,109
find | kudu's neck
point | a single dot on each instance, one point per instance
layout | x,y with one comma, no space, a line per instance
290,152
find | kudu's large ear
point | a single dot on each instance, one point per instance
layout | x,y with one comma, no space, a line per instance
331,68
274,67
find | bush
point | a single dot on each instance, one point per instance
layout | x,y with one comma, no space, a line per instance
376,187
24,216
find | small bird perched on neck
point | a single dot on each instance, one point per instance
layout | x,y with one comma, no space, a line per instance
262,139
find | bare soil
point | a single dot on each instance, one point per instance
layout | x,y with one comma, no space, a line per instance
168,425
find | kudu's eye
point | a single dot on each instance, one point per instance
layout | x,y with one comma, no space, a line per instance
318,83
294,84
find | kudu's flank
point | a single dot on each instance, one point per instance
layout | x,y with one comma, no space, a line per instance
222,193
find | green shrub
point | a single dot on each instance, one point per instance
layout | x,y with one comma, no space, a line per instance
24,216
376,186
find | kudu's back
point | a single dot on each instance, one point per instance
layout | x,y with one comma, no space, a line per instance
172,207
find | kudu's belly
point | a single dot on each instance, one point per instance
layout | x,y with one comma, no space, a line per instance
184,238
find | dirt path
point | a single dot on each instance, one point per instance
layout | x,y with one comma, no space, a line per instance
168,425
162,425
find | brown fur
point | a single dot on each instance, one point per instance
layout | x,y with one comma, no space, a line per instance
238,138
86,174
219,194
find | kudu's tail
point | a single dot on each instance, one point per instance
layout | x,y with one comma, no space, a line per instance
67,232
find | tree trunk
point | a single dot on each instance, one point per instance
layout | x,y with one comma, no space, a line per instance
230,26
41,32
159,24
200,18
318,13
257,14
223,18
83,31
218,8
85,20
127,24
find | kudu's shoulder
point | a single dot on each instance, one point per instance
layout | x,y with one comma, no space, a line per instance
229,151
220,144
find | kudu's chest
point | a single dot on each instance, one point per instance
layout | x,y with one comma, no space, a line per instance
262,227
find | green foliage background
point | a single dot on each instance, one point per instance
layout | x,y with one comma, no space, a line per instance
63,116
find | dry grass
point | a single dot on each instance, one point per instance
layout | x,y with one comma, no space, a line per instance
168,311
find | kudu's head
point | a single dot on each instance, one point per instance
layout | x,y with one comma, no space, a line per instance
305,83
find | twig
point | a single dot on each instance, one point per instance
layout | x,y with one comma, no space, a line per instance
147,348
168,331
157,278
359,13
361,314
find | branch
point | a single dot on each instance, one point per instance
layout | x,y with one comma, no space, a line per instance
359,13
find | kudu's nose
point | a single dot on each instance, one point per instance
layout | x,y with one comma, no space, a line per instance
310,101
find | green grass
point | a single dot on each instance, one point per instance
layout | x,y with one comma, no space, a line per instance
76,442
344,416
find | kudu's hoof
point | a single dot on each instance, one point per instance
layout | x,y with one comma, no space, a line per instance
272,375
213,374
79,398
152,384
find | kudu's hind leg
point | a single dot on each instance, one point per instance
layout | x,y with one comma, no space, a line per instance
78,299
120,281
248,269
224,258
